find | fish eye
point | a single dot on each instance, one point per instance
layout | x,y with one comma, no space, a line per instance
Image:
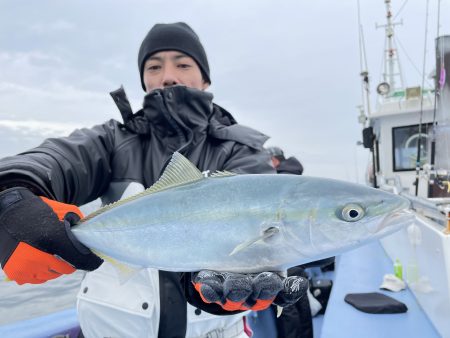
352,212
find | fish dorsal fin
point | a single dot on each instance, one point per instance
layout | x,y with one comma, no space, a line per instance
179,171
222,174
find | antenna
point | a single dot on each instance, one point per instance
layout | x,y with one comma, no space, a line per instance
391,62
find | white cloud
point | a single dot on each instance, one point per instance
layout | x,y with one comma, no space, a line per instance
53,91
55,102
37,85
39,128
25,60
57,27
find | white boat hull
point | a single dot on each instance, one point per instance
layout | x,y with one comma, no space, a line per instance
424,251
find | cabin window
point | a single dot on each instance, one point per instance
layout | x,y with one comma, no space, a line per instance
405,141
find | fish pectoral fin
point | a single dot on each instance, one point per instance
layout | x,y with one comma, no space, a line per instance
244,245
266,234
124,271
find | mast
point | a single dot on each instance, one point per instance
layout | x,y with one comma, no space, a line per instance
392,73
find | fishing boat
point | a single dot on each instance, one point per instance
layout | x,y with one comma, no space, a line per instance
408,136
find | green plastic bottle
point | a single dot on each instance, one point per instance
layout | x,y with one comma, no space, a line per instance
398,269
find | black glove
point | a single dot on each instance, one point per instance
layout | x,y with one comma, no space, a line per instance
233,291
36,244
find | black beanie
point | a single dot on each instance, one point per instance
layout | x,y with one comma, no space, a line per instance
173,36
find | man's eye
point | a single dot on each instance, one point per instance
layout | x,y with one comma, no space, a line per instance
184,65
153,68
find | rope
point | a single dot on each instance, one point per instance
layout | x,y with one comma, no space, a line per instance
401,8
412,62
436,92
363,66
421,100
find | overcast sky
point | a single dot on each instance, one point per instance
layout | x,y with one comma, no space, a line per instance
288,68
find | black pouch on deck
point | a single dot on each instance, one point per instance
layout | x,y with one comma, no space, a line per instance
375,302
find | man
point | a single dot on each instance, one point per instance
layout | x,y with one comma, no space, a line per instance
115,160
284,165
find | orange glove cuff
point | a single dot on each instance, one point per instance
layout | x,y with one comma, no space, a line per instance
261,304
30,265
61,209
34,235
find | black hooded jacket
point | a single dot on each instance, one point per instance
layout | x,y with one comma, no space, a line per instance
102,161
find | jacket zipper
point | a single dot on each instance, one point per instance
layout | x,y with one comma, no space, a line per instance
184,143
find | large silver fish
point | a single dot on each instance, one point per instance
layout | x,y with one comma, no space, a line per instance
239,223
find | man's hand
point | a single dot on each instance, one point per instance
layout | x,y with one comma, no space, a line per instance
234,291
36,243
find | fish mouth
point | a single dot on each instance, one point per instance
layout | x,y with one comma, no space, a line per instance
391,223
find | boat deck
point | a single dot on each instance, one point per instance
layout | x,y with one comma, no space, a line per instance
362,270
